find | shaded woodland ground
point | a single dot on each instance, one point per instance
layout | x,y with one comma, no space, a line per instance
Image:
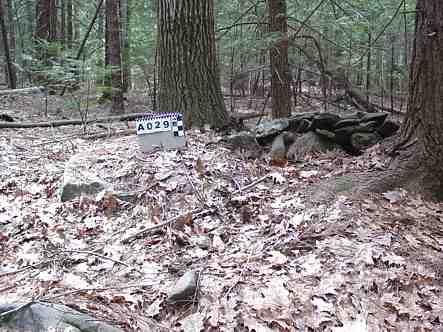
270,258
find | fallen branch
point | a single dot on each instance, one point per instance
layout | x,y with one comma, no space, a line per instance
59,123
34,266
195,214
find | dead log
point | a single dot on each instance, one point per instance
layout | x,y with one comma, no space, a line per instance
26,91
59,123
123,117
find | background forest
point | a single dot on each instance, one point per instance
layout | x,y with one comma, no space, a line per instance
61,44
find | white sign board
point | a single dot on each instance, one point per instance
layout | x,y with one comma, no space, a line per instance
160,130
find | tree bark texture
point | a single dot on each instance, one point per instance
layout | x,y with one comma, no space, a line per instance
125,13
43,11
69,24
53,20
113,25
12,80
189,78
424,118
280,75
12,28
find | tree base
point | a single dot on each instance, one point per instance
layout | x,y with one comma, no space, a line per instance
406,171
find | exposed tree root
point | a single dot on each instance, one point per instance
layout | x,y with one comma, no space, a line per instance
406,171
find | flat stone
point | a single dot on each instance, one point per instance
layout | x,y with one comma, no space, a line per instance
377,117
347,122
326,133
272,127
325,121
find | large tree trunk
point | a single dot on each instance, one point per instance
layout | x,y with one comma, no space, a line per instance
189,78
280,75
418,155
418,162
113,25
12,80
424,118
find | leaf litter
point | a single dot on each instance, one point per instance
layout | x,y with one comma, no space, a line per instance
267,260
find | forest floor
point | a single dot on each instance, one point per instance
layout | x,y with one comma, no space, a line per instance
268,258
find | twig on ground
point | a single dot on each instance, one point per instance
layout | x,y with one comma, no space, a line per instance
195,214
91,253
27,268
251,185
240,277
76,291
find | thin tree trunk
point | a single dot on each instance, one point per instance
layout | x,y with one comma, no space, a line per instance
52,21
113,20
12,42
75,21
391,81
43,13
368,66
126,61
69,32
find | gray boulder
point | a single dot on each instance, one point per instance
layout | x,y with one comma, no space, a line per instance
79,179
244,142
310,143
41,316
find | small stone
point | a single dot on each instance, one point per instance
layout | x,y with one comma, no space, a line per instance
202,241
325,133
362,141
185,288
388,128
